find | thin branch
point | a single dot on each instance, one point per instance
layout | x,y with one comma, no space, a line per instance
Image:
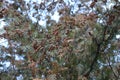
116,76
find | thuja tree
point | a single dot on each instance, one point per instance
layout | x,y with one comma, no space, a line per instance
82,45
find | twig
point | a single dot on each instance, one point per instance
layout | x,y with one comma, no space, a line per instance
116,76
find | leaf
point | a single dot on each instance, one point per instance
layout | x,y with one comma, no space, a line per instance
37,79
92,4
51,77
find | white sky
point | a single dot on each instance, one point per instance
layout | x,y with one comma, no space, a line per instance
3,42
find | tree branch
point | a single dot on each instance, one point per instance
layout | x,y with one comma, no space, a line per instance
93,62
97,52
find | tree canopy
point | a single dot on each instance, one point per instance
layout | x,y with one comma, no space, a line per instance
78,44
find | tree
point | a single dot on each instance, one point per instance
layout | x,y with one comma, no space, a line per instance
80,46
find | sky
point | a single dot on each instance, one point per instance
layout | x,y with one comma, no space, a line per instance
3,42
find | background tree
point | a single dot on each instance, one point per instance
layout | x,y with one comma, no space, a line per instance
81,45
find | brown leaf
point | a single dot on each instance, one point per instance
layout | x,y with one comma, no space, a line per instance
35,44
95,0
104,1
52,47
92,4
37,79
19,32
1,15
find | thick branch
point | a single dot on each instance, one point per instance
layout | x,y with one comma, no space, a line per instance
93,62
97,52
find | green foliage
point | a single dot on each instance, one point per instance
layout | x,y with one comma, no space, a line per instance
77,47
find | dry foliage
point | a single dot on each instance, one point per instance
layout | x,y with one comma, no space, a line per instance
74,48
